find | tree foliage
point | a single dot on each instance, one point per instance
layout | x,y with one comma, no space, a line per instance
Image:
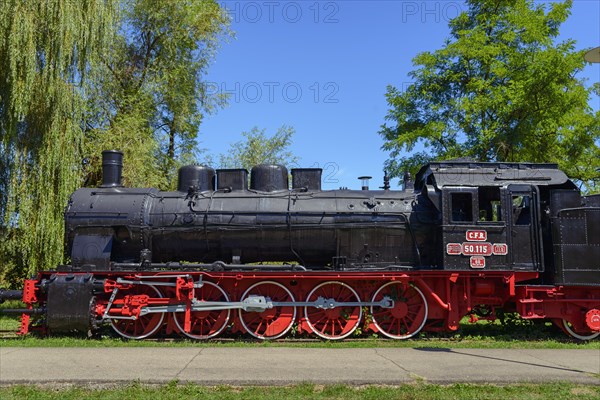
78,77
259,148
501,89
151,90
45,51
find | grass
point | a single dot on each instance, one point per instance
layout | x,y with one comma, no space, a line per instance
513,333
173,390
470,336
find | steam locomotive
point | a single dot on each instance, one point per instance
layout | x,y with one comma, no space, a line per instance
221,257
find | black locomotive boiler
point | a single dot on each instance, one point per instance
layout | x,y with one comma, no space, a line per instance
219,256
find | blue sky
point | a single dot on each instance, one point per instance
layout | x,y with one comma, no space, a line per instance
323,67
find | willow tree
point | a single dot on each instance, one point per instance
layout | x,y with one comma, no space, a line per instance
152,94
46,48
502,88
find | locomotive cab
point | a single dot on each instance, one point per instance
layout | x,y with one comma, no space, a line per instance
492,216
480,225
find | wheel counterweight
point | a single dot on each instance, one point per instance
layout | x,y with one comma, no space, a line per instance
205,324
144,326
408,315
333,323
272,323
580,333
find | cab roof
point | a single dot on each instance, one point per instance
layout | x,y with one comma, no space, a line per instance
469,173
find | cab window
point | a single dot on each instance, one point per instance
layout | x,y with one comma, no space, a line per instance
490,205
461,205
521,205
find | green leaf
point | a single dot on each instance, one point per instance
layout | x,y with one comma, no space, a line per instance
503,88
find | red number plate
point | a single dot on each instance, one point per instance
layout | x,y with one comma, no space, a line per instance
477,262
500,249
454,249
476,236
477,249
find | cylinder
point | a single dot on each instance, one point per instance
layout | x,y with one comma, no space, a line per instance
269,178
196,177
112,168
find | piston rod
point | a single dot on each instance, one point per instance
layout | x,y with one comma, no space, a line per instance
259,304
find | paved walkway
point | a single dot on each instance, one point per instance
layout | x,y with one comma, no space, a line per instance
282,366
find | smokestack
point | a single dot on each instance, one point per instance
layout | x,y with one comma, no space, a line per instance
112,167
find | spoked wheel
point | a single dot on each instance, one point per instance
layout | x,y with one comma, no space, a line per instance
146,325
272,323
408,315
335,323
578,332
205,324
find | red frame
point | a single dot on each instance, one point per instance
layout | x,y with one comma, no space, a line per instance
450,295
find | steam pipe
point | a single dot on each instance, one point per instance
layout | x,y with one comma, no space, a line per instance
216,266
10,295
19,311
